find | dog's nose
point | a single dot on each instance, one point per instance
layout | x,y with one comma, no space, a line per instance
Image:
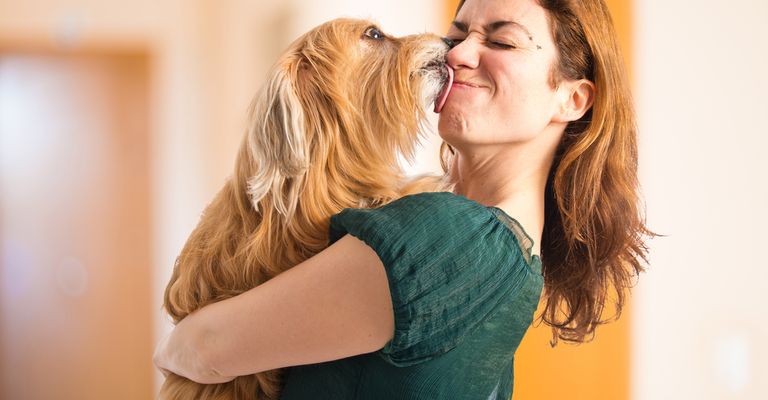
449,42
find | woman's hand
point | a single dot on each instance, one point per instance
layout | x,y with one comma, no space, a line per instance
298,317
176,353
159,357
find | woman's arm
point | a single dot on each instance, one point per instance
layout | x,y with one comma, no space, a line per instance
334,305
176,353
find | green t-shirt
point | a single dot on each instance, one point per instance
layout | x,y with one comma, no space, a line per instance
464,290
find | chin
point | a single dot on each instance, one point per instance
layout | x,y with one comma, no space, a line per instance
455,120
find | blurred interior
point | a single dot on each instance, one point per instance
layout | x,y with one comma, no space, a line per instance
133,111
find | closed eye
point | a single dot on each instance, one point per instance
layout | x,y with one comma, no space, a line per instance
500,45
489,43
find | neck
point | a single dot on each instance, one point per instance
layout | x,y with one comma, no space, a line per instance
511,176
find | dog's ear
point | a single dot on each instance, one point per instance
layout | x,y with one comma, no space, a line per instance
277,144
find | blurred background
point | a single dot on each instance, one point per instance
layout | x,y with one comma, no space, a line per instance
119,121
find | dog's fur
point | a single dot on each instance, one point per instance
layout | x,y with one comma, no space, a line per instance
324,135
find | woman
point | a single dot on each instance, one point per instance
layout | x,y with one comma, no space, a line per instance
429,296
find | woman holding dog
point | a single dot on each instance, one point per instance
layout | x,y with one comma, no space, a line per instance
540,143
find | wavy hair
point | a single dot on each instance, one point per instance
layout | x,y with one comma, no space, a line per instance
594,229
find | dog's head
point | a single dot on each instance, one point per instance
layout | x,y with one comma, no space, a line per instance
340,104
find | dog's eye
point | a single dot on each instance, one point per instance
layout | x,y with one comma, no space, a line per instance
374,33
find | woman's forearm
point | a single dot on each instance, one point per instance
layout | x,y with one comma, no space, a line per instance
184,350
298,317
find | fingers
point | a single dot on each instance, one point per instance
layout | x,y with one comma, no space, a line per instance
159,357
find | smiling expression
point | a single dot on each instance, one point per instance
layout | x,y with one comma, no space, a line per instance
502,59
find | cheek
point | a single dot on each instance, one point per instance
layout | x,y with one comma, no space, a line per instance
524,91
513,95
525,111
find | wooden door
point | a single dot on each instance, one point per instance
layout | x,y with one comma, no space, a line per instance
75,313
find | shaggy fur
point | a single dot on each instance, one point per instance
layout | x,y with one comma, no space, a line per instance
324,135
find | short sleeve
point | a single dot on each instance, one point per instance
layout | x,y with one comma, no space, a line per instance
448,262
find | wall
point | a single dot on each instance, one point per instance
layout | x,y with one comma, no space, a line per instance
700,316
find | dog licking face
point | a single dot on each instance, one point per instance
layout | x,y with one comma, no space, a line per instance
324,134
344,98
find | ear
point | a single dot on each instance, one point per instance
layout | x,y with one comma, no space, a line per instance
277,144
576,98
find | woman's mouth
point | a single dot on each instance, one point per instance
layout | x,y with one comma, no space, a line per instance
464,85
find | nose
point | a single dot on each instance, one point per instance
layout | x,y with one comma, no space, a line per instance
464,54
449,42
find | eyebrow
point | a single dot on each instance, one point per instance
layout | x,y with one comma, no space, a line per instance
493,26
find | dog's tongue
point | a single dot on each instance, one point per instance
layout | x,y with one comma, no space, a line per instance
440,101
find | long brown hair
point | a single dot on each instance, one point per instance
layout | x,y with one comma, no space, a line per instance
594,231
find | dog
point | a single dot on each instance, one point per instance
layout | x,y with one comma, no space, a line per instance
324,134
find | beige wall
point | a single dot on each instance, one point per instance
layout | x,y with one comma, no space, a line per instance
701,320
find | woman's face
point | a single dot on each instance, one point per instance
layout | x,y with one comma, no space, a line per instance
501,92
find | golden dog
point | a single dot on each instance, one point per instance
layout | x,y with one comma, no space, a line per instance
324,135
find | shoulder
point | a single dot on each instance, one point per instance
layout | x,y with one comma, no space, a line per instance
420,213
434,201
430,199
448,262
